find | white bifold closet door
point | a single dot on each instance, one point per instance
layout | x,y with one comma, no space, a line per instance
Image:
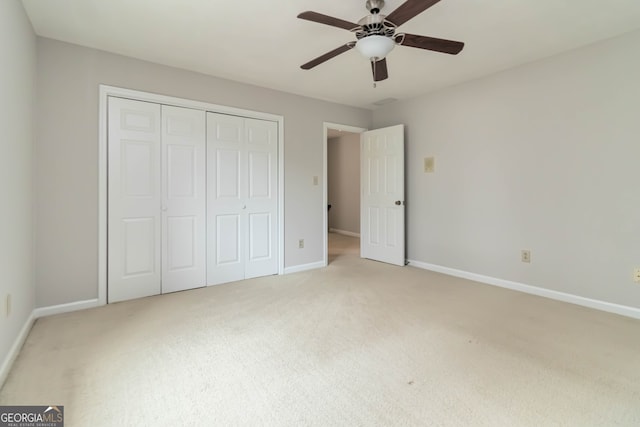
242,201
156,199
184,199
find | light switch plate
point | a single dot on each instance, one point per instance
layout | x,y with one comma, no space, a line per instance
429,165
315,180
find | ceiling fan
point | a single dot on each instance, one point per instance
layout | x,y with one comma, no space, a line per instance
376,35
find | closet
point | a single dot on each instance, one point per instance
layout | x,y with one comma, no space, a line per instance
192,198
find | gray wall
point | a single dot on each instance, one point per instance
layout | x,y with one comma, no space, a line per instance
67,153
543,157
343,173
17,92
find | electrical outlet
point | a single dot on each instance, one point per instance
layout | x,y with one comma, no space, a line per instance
525,255
316,180
301,244
636,275
8,306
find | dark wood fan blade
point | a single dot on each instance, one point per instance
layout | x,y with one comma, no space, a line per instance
408,10
379,69
327,20
430,43
327,56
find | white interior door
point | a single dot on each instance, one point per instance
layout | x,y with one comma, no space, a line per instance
183,199
382,207
134,267
242,199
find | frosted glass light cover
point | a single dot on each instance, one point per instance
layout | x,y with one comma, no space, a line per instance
375,46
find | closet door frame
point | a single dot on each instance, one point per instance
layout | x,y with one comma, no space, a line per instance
105,92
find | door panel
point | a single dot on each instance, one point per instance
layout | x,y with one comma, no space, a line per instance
242,204
259,175
228,244
138,173
382,221
261,133
184,199
181,243
226,129
374,225
139,246
182,173
259,236
134,118
261,198
391,215
134,170
225,214
227,174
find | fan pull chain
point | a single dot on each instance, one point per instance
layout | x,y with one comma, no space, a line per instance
373,64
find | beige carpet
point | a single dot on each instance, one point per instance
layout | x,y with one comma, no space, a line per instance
359,343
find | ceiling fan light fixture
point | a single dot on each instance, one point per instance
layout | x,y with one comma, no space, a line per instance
375,47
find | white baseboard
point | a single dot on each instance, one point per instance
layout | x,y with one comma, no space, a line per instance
24,332
7,363
65,308
344,232
304,267
622,310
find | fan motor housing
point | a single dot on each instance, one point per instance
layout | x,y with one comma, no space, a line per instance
375,25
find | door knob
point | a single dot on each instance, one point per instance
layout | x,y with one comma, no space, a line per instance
398,202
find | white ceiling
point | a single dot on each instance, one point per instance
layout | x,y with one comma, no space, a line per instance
263,43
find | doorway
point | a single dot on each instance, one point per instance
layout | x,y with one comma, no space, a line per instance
382,205
342,185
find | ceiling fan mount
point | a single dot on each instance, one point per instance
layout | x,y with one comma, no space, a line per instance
374,6
376,34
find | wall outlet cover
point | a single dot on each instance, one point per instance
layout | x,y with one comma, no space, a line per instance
429,164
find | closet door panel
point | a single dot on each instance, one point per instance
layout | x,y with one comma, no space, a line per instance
228,243
261,198
242,204
260,237
184,199
227,177
260,175
134,199
226,167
